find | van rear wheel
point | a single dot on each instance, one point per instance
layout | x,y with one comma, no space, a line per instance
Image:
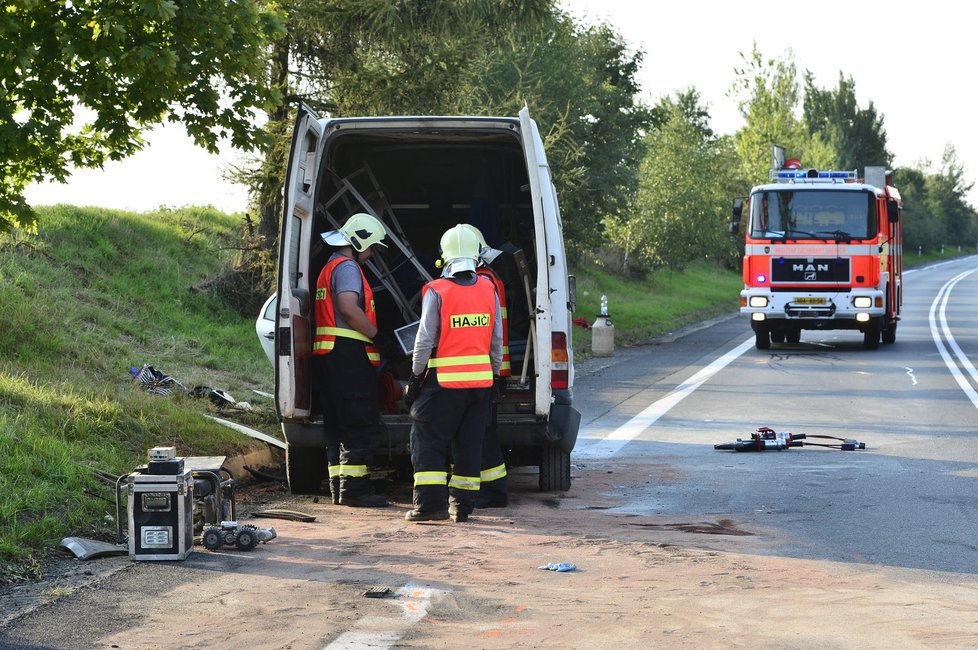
305,469
554,469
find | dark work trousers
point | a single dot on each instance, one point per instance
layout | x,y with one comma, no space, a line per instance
492,484
330,432
448,423
351,414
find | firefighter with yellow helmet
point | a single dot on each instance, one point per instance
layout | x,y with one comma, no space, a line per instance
493,492
346,352
457,355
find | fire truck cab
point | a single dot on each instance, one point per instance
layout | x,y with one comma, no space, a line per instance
823,250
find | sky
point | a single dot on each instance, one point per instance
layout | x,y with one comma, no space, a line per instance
912,60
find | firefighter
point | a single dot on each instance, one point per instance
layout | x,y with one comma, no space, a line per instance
457,355
346,353
493,491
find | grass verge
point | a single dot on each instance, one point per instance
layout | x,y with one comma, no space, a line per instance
95,293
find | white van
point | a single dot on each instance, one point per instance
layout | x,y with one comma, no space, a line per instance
421,176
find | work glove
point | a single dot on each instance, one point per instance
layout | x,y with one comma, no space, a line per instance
388,347
498,386
413,390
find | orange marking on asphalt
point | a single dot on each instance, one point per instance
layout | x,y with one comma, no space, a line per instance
491,633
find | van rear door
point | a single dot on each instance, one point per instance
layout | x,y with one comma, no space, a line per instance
544,214
293,338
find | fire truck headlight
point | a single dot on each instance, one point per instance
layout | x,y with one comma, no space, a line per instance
862,302
758,301
757,316
862,317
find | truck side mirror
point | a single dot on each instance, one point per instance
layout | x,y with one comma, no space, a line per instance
893,210
738,210
572,293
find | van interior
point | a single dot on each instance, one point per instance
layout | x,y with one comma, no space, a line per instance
421,184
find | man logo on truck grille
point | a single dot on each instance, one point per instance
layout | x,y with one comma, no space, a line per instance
810,268
786,270
469,320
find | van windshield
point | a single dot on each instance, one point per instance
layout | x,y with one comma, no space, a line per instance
813,214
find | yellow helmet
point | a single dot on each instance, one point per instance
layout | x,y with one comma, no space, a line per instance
486,253
364,230
477,233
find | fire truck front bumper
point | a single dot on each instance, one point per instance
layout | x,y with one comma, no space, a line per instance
856,306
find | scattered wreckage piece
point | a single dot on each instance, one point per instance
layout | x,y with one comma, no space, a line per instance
291,515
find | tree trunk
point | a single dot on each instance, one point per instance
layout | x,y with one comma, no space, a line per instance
268,193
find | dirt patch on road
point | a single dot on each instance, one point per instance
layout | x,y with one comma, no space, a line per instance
640,581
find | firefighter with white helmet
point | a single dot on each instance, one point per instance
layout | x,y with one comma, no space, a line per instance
346,351
457,355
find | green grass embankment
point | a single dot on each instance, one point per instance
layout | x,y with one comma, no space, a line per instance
94,293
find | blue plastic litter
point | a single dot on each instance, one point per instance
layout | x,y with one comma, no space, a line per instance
562,567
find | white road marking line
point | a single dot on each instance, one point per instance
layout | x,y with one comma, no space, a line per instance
603,446
384,632
939,306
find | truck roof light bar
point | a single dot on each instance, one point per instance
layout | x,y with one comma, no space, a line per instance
791,175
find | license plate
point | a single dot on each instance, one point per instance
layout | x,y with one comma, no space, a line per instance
809,301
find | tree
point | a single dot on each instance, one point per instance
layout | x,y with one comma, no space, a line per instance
479,57
348,57
580,86
684,192
949,189
854,135
768,95
81,81
920,228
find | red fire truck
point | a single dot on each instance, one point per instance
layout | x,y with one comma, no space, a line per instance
823,250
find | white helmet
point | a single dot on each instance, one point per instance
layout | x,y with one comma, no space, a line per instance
459,249
486,253
363,231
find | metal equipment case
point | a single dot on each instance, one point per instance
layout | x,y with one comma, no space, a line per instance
160,510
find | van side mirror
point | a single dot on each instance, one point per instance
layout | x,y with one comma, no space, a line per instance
738,210
572,293
893,210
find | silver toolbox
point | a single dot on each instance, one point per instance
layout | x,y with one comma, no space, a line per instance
161,510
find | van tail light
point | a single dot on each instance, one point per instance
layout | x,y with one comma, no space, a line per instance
558,359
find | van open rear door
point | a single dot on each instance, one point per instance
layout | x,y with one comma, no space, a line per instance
293,338
542,201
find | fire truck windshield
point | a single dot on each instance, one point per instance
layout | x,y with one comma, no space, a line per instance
813,213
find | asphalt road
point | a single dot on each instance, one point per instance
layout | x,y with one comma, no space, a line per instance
647,485
908,500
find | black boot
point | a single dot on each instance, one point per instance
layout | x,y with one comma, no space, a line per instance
417,515
493,494
334,489
358,493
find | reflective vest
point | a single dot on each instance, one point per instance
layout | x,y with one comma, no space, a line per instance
326,329
461,359
505,370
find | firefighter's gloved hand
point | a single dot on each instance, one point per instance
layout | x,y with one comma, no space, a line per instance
388,347
498,386
413,390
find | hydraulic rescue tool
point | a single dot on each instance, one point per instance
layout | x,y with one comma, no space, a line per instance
766,439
